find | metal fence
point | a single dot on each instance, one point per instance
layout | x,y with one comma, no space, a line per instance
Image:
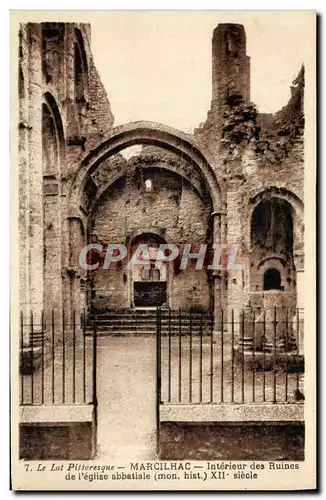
244,357
240,357
57,360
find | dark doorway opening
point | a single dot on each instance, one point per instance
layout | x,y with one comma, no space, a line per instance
272,280
149,293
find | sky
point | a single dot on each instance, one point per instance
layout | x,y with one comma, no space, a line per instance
156,66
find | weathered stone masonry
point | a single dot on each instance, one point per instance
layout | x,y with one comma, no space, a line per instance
237,179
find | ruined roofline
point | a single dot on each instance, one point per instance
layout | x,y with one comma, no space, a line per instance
292,111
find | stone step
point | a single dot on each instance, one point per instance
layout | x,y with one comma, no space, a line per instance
152,320
142,313
37,338
130,328
122,333
143,321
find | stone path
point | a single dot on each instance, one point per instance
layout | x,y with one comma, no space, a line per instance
126,389
126,379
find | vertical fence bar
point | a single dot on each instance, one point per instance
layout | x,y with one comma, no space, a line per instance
242,355
274,356
73,356
201,358
190,356
180,346
253,354
264,356
158,377
211,371
298,348
169,356
21,360
94,364
42,355
84,356
222,355
232,356
94,376
32,358
286,352
52,349
63,359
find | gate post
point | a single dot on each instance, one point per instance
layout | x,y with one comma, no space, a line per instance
158,377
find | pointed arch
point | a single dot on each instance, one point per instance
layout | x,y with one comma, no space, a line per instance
52,135
80,69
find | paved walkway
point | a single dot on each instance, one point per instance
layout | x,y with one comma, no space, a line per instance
126,393
126,378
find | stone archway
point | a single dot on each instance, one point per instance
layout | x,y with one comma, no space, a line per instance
121,137
297,215
94,176
173,210
276,240
53,153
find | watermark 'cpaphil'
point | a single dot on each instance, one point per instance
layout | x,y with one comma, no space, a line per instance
212,257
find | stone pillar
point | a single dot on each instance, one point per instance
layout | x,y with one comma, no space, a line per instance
72,125
278,327
24,187
53,245
246,329
236,227
36,244
217,275
74,274
217,300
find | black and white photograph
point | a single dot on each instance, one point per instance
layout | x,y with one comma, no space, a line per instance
163,295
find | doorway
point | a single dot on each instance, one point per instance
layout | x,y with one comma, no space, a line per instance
148,280
150,291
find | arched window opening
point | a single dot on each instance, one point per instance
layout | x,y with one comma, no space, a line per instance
79,77
80,66
49,142
272,237
272,226
52,136
272,280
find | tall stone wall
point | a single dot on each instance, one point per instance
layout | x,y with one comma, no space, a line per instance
258,156
65,113
55,128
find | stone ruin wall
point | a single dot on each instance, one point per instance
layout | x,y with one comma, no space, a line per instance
250,152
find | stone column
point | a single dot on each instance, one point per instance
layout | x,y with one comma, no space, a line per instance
24,187
217,275
236,227
36,245
278,326
246,329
